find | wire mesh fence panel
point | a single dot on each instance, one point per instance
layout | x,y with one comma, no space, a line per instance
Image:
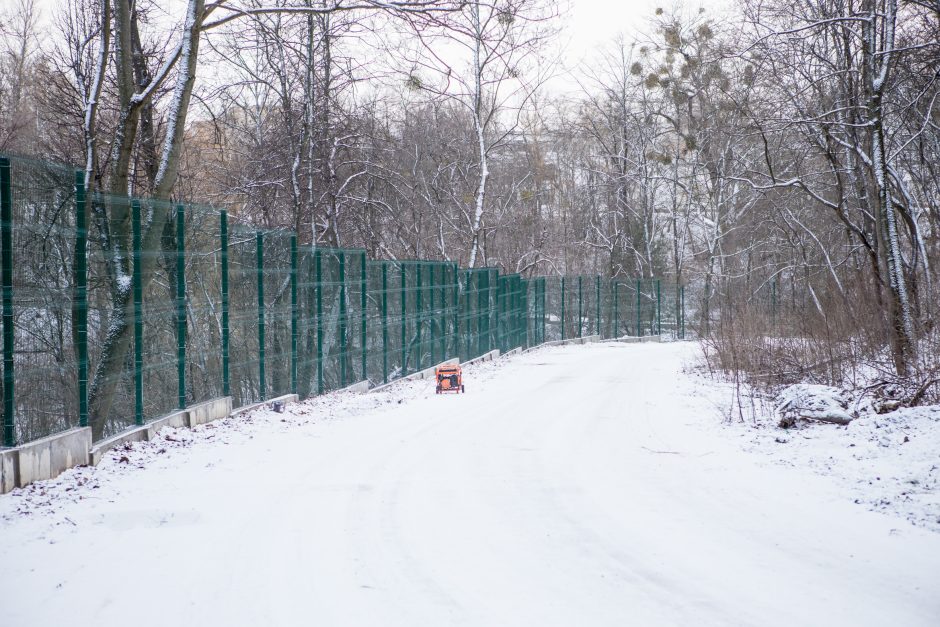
649,307
356,314
426,295
450,295
412,306
394,306
625,309
244,348
433,316
553,311
475,322
307,290
336,364
533,311
203,281
377,321
492,311
158,316
590,301
502,311
522,313
44,356
112,394
509,303
276,272
668,297
573,305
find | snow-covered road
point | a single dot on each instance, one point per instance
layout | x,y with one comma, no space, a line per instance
579,486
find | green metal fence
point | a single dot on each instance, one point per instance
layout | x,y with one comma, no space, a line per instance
218,308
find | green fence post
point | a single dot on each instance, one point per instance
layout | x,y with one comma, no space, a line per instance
293,314
639,306
616,309
513,306
501,314
580,307
343,343
482,311
362,317
522,295
259,256
659,307
318,269
611,304
515,302
455,286
419,319
384,322
181,306
597,303
682,301
503,303
467,309
80,268
138,316
431,320
542,338
223,236
562,308
6,243
404,314
508,313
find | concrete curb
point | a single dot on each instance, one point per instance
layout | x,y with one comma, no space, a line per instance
632,339
357,388
587,339
490,356
44,458
193,416
134,434
50,456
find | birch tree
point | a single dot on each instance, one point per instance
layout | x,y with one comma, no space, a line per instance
485,62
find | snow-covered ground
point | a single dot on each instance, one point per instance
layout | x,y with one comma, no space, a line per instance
589,485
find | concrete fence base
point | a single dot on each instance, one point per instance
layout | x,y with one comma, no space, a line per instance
633,339
44,459
587,339
50,456
357,388
490,356
188,418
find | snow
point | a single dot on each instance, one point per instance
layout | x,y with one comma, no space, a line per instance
585,485
888,462
124,283
822,402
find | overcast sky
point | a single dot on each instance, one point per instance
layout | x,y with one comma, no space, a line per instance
589,25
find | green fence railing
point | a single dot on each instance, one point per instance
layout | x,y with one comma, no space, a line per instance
217,308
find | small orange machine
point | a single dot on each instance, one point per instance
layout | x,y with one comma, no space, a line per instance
449,379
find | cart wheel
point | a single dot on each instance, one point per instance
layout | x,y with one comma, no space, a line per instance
462,389
437,390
